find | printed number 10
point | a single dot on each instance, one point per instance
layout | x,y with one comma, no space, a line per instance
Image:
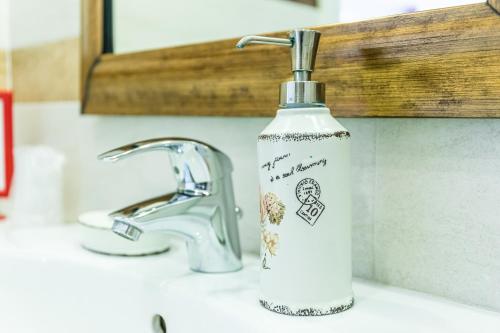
313,211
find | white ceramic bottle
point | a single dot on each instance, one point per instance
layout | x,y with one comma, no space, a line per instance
305,214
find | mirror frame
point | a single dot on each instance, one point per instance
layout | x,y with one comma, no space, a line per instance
436,63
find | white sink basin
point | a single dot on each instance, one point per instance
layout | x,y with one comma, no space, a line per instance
49,284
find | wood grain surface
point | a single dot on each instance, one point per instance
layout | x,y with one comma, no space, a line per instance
3,70
47,72
495,4
92,12
438,63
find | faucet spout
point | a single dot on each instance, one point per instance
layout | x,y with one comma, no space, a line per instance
198,220
126,230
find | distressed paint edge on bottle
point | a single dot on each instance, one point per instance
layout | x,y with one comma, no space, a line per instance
307,311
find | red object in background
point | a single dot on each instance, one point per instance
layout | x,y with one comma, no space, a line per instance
6,140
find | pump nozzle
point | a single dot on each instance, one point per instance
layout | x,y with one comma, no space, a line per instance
304,46
263,40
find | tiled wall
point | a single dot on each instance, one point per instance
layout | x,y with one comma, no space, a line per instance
437,211
425,191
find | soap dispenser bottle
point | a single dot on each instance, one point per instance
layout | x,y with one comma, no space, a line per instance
305,195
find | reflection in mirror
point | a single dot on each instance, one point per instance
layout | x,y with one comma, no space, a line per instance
154,24
178,22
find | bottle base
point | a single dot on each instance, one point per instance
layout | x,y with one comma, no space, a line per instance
308,311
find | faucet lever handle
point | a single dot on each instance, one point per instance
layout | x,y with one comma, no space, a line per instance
196,165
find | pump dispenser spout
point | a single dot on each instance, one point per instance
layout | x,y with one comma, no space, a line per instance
304,46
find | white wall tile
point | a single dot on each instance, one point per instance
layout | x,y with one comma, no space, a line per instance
437,226
363,193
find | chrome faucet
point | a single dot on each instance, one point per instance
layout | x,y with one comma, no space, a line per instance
202,210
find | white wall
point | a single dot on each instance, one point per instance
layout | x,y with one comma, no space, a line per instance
5,44
4,25
38,22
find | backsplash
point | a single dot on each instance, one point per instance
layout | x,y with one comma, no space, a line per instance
425,191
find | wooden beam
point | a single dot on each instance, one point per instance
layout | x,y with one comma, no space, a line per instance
438,63
306,2
495,4
91,41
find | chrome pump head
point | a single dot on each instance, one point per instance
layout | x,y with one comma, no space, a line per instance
304,45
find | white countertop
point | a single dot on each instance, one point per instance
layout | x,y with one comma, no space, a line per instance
205,302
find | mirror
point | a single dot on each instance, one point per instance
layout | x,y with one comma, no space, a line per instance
154,24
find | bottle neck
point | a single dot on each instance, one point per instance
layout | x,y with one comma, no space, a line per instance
302,93
303,106
308,110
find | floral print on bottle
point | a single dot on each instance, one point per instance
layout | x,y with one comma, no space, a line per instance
272,211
